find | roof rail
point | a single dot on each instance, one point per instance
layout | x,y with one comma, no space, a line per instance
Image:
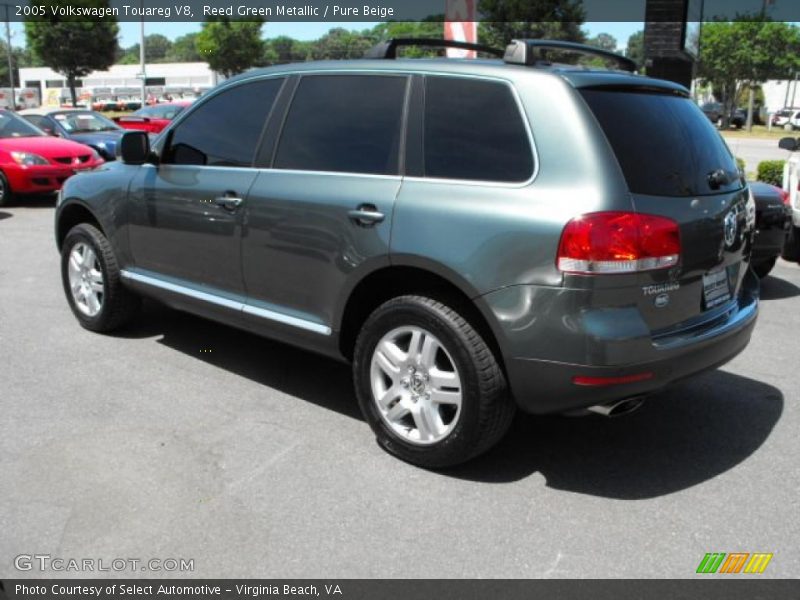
388,48
531,52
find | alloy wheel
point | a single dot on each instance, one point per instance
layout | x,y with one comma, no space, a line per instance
86,279
416,385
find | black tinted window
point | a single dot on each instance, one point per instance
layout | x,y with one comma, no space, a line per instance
345,123
224,131
474,130
665,145
37,120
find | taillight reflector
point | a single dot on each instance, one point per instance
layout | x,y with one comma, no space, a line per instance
604,381
618,242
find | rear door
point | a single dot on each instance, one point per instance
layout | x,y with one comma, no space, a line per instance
677,165
321,208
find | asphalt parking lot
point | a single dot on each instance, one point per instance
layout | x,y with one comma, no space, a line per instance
181,438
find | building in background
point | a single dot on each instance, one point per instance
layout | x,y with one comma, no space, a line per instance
672,39
174,80
779,94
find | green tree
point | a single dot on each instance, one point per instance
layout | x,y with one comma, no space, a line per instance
21,57
504,20
283,49
604,41
340,44
156,47
635,48
230,46
432,28
739,55
72,46
130,55
184,49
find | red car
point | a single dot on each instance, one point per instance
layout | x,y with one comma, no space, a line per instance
32,162
153,118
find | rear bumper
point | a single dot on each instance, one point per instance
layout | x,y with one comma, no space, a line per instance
546,386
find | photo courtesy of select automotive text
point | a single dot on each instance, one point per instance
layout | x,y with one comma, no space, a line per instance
400,299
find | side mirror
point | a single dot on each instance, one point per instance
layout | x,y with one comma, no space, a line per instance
790,144
134,148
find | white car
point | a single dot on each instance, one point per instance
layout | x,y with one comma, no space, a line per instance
791,184
787,116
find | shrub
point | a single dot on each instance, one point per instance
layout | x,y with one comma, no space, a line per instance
771,171
740,163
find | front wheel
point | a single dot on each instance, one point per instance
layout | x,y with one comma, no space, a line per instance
5,191
428,385
91,279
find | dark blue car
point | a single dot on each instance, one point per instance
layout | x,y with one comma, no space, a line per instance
79,125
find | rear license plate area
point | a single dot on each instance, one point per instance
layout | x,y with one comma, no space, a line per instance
716,288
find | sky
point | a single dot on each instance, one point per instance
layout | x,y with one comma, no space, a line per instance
129,31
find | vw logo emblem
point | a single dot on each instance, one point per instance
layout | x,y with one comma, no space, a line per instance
729,225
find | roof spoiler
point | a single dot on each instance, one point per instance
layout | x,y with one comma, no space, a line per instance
533,52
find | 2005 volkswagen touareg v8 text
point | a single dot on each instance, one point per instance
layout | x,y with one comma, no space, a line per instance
473,235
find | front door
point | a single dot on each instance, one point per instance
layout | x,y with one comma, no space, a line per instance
187,211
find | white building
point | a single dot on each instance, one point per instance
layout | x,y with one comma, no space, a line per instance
781,93
175,79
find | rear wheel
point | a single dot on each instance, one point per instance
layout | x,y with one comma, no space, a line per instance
763,268
428,384
92,282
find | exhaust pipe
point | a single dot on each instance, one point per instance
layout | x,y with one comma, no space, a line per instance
617,408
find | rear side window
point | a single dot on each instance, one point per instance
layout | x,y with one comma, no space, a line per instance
224,131
665,145
474,130
344,123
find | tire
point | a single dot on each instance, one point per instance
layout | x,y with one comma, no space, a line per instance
453,360
5,191
113,305
791,248
763,268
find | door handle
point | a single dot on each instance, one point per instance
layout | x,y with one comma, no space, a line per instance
228,202
366,215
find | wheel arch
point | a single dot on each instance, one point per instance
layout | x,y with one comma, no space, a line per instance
401,279
73,213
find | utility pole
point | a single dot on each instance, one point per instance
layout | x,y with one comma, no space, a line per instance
141,59
13,106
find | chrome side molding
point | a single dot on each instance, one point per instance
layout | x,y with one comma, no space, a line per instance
233,304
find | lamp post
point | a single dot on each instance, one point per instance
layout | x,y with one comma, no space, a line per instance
141,58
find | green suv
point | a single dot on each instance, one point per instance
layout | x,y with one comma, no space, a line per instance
472,235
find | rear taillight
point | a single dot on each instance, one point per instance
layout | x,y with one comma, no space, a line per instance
785,195
618,242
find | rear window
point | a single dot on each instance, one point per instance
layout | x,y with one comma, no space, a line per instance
665,145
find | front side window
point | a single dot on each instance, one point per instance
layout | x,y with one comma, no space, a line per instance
225,130
344,123
13,126
474,130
